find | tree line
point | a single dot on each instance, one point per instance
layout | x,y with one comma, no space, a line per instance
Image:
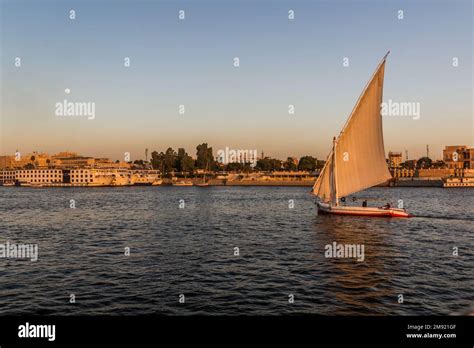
171,161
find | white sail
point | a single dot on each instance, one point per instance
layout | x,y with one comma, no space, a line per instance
323,188
358,156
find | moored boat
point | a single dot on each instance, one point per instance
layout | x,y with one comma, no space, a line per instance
121,179
142,180
22,184
182,183
35,185
458,182
203,183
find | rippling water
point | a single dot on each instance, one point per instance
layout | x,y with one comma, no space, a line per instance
190,251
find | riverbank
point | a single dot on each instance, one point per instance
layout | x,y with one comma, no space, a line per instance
405,182
408,182
418,182
225,182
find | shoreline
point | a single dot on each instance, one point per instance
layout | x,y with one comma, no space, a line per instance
249,183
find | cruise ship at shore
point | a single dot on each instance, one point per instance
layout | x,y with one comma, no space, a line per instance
80,177
111,177
458,182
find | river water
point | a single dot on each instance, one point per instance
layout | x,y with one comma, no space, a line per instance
184,240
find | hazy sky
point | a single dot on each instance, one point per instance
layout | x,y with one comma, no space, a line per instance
190,62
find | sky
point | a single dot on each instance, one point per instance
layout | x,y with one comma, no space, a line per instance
190,62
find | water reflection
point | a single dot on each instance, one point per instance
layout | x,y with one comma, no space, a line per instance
357,286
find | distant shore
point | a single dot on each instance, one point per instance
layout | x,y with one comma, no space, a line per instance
309,183
401,183
224,182
404,182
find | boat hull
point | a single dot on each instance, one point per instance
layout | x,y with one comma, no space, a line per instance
361,211
181,183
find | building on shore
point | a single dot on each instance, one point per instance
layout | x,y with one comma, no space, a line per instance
106,163
402,173
458,157
62,160
35,159
73,162
7,162
394,159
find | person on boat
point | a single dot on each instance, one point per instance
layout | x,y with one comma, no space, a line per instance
364,203
386,206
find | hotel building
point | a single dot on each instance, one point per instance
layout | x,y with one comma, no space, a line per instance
38,160
458,157
394,159
72,161
62,160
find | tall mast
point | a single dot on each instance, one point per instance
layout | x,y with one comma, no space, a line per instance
334,180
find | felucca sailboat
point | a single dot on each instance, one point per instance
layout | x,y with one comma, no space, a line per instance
357,159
